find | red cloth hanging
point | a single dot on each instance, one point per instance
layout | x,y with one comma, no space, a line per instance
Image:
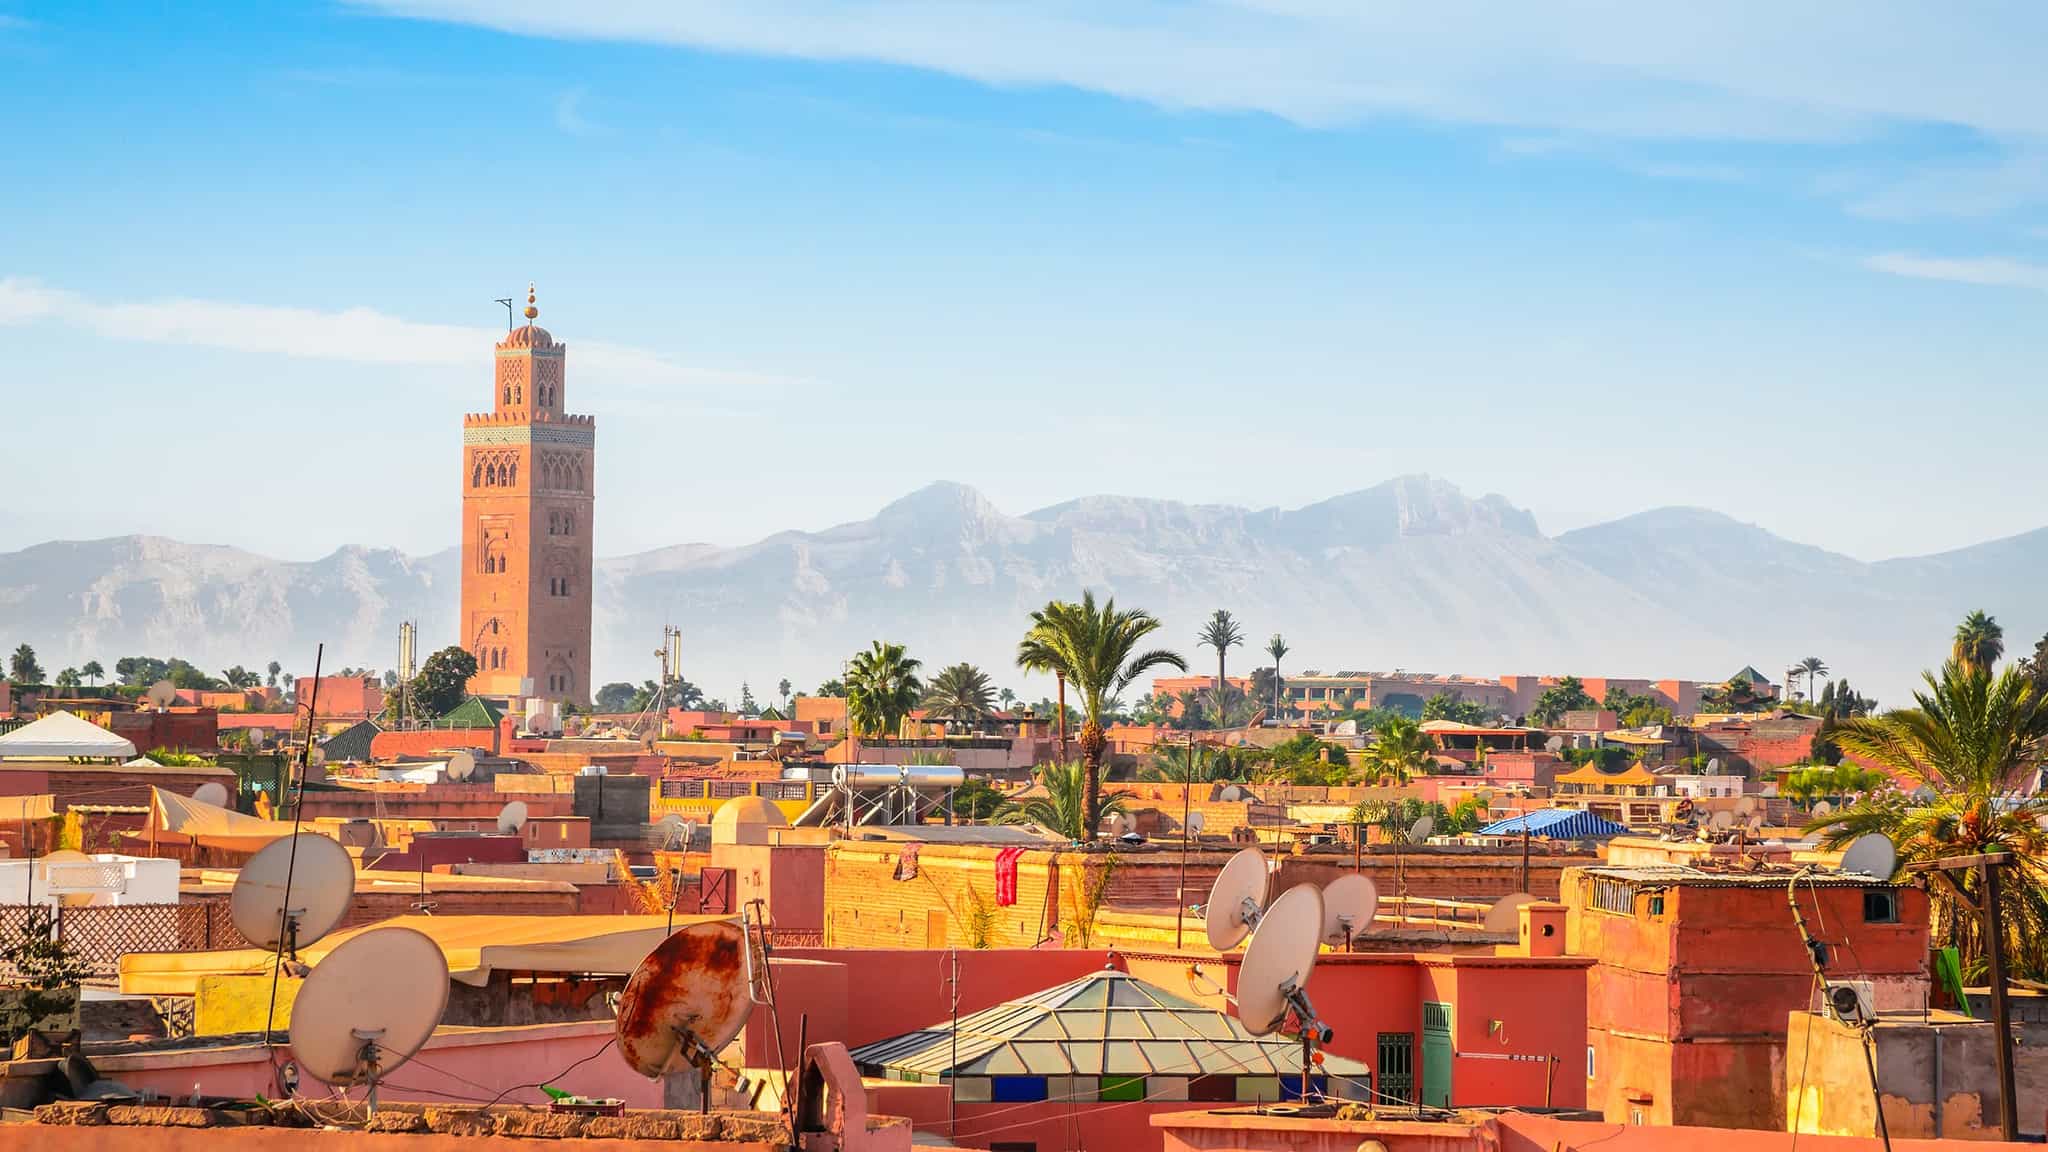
1006,876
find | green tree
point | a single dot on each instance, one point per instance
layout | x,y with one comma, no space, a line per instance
747,705
1276,647
1006,698
881,689
1221,633
962,696
2036,665
443,681
1737,695
834,687
1567,695
1979,642
93,672
22,667
274,669
974,799
1448,705
1400,750
1467,815
67,680
1974,738
1065,808
782,689
240,677
614,697
1095,650
1811,667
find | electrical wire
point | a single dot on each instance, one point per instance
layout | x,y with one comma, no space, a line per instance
557,1076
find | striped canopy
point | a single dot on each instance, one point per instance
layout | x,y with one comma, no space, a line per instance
1556,824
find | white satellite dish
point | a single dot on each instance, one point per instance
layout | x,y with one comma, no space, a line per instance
368,1007
1278,961
1196,822
1823,808
1925,794
674,832
1745,804
1116,824
1420,830
1756,823
212,792
1554,745
1721,821
512,817
1349,904
1871,855
1714,766
461,765
686,1000
322,881
1506,915
1237,899
161,693
1231,794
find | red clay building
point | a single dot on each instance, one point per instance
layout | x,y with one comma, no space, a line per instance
528,471
1699,972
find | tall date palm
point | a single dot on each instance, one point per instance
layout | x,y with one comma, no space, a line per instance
881,689
1222,633
1095,649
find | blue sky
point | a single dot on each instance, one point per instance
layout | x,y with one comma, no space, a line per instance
808,257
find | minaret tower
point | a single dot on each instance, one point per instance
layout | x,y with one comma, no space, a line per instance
528,471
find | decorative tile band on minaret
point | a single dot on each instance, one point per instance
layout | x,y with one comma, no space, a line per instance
528,481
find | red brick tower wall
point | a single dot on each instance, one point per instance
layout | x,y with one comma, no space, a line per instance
528,475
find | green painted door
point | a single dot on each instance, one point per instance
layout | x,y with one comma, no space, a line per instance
1436,1054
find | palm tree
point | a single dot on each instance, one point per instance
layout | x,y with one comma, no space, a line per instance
962,695
1006,698
1064,807
1979,642
881,689
1400,749
1095,649
1974,738
273,669
1276,648
1812,666
1221,633
782,689
93,672
67,680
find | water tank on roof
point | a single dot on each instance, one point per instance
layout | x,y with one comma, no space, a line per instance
745,820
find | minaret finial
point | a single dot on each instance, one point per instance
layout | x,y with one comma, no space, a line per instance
532,313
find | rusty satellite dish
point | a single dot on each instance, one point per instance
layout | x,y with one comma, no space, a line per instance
1237,899
687,999
322,882
368,1006
212,792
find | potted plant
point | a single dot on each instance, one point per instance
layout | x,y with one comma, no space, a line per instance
39,1002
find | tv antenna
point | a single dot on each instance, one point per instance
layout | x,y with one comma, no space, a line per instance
1272,980
687,1000
1349,904
1237,900
368,1006
292,892
511,304
212,792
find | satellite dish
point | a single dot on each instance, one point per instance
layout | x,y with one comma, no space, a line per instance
674,832
461,766
1925,794
65,856
1116,824
512,817
212,792
1721,821
1714,766
368,1006
1231,794
686,1000
1505,915
323,883
1421,829
1237,899
1349,904
1872,855
1823,808
1279,959
1196,823
316,755
1744,805
1554,745
161,693
1756,823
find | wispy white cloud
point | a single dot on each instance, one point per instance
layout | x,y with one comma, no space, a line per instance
351,335
1735,68
1990,271
569,115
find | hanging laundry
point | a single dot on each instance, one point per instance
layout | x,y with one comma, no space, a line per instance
906,863
1006,876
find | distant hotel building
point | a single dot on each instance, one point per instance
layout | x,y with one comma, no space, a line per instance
528,471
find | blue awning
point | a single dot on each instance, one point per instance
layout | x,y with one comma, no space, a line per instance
1556,824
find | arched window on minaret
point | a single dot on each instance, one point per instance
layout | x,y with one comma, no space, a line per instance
476,475
512,471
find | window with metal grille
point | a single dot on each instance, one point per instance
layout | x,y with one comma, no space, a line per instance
1611,895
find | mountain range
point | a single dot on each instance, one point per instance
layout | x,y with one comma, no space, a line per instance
1410,574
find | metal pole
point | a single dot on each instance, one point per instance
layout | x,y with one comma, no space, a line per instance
1187,791
2001,1012
953,1069
1524,885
